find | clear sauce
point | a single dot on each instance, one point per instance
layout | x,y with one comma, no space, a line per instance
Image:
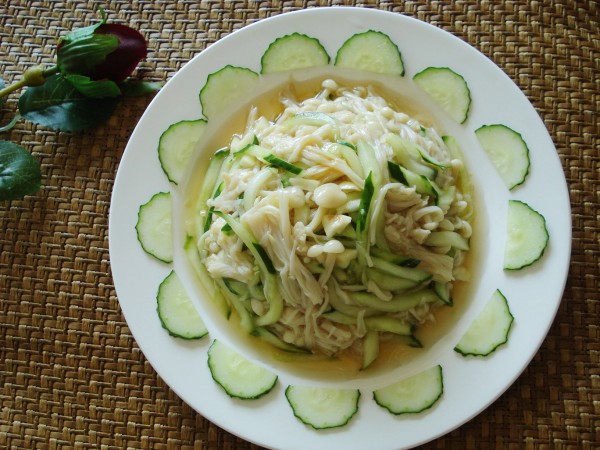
346,365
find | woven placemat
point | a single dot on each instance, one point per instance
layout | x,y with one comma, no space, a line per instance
71,374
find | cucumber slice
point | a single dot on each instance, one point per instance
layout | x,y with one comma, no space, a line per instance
176,145
507,151
225,87
448,89
414,394
527,237
238,376
371,51
322,407
489,330
154,229
293,51
176,311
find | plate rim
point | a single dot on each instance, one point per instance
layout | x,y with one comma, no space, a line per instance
113,214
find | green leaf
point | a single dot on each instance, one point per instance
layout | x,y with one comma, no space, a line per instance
58,105
20,172
81,33
96,89
135,88
81,56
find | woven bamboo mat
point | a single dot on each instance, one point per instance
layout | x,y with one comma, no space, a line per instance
71,374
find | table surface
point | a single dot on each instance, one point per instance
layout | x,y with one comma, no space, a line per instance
71,373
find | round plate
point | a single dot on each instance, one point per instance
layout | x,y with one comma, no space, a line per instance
470,384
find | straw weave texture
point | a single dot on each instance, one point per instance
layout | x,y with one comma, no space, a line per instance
71,374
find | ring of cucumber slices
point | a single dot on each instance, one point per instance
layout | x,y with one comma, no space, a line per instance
323,408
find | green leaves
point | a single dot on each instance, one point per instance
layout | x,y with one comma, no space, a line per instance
59,105
19,172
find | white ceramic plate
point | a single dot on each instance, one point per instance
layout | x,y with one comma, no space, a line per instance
470,384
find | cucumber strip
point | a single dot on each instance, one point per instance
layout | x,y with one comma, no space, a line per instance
371,51
368,158
447,238
464,180
271,290
370,348
448,89
374,323
399,303
176,145
443,292
233,300
414,394
264,257
408,273
239,145
350,145
387,282
238,376
365,204
224,88
275,341
211,210
410,156
154,227
421,183
362,220
388,325
507,151
314,119
489,330
322,407
527,236
339,317
400,260
282,164
208,190
263,154
293,51
191,251
348,310
175,310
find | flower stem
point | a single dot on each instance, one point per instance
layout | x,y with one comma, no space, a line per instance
11,124
34,76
